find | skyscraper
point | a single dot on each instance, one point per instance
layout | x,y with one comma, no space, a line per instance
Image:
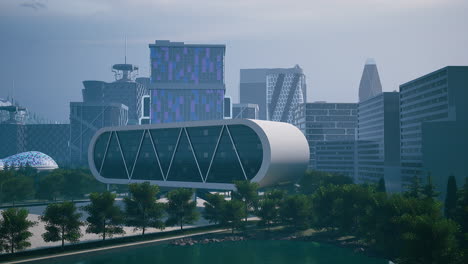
433,113
378,143
370,82
330,131
249,111
124,90
286,89
187,81
252,89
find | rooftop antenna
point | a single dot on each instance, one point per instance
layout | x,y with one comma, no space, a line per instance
125,49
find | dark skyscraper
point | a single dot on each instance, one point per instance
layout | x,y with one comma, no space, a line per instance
252,89
370,85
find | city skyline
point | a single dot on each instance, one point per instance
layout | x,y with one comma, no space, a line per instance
68,47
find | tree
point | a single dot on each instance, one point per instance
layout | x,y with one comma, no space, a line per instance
180,208
451,198
269,207
51,186
18,188
312,180
247,193
105,217
141,208
62,223
381,185
428,190
414,189
268,212
461,215
214,206
233,212
296,211
14,229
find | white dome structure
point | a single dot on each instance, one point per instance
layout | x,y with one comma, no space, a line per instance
35,159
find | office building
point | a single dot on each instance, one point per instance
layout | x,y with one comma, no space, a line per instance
252,89
433,103
248,111
327,122
124,90
187,81
85,120
370,85
286,89
378,136
336,156
203,154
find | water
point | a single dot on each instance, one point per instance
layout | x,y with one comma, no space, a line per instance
240,252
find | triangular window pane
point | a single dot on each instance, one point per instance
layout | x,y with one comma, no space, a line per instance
129,142
204,142
184,168
226,167
146,167
113,167
249,148
100,149
165,141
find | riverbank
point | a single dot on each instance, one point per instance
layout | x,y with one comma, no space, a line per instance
56,253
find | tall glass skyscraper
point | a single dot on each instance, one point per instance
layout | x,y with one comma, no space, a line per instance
286,89
187,81
370,85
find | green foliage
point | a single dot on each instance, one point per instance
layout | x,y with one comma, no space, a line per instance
247,192
68,183
269,207
312,180
414,189
14,229
214,207
232,213
428,190
105,218
180,208
426,239
142,209
62,223
296,211
17,188
451,198
461,216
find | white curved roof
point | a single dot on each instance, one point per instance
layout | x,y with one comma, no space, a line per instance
285,153
36,159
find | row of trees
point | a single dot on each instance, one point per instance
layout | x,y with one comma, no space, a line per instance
105,217
27,183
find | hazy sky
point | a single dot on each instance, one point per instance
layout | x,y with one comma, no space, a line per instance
48,47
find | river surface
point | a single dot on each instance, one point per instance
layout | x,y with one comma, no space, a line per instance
239,252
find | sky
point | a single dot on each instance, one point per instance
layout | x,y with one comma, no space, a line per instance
48,47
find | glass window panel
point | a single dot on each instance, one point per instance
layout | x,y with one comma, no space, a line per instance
249,148
100,149
204,142
146,167
165,141
113,166
184,167
129,142
226,167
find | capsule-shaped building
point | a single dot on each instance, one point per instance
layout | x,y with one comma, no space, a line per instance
202,155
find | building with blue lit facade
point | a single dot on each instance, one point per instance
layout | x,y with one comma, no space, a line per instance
187,82
35,159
